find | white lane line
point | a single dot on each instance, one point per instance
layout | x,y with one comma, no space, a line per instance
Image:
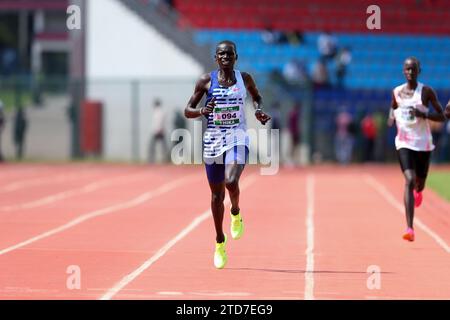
97,213
11,171
309,270
91,187
161,252
387,195
170,293
39,181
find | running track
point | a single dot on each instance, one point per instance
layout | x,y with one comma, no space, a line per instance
142,232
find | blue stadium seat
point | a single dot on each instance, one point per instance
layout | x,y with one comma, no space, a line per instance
376,59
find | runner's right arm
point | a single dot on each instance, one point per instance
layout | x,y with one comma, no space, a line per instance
201,88
394,106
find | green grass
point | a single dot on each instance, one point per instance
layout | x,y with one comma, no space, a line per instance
440,183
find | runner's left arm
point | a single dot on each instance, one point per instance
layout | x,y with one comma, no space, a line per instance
435,116
257,99
447,110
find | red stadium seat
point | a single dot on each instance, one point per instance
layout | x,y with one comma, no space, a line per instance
428,17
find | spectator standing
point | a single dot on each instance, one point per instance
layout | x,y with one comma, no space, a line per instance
294,129
343,59
272,36
344,139
369,133
327,46
20,128
320,76
295,73
158,131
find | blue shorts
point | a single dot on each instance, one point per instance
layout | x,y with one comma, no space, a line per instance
215,167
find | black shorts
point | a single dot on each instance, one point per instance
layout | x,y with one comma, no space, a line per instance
419,161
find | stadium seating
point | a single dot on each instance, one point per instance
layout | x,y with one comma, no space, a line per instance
409,28
376,59
398,16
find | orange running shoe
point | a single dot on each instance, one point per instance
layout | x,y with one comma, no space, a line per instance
409,234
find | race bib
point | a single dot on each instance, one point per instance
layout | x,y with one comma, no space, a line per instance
406,115
226,116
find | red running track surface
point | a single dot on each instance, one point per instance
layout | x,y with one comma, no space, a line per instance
145,232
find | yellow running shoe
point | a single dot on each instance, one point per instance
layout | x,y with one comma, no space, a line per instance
220,255
237,226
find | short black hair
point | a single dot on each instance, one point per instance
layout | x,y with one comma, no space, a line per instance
228,42
413,59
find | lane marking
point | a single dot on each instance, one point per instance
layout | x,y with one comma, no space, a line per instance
389,197
309,270
12,170
170,293
163,250
90,187
40,173
220,294
39,181
104,211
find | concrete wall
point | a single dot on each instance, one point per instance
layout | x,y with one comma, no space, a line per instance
122,48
